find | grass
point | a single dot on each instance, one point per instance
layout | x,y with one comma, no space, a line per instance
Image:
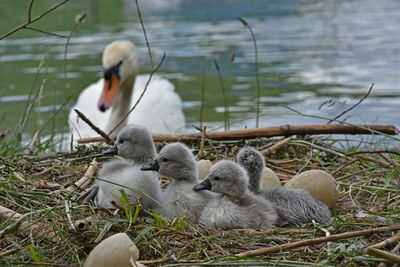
364,185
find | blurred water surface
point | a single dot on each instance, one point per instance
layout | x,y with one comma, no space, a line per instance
318,57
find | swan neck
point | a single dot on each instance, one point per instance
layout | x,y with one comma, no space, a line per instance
121,105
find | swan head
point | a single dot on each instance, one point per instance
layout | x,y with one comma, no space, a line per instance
120,63
175,161
226,177
133,142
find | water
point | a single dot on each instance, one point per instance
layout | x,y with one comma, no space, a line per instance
310,53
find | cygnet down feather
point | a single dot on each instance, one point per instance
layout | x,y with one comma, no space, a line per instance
134,143
235,206
176,161
295,207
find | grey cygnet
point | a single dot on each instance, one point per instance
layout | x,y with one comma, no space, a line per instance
134,143
176,161
235,206
295,207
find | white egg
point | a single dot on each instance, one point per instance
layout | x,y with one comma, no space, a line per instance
270,179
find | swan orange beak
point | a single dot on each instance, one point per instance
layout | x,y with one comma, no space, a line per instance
110,89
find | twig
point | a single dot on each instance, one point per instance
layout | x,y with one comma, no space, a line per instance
13,251
46,32
145,35
31,147
386,157
374,250
203,138
12,227
94,127
85,180
355,105
29,20
268,151
44,264
141,96
318,240
372,152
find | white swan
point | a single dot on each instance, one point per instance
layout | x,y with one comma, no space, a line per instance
160,109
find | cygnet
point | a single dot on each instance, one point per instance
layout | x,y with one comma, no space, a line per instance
235,206
134,143
176,161
295,207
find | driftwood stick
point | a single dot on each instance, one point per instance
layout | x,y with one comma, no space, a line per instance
94,127
284,130
318,240
383,254
268,151
85,180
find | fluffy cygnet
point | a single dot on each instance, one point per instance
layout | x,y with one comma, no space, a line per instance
134,143
235,206
295,206
176,161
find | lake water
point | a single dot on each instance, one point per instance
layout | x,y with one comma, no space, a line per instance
317,57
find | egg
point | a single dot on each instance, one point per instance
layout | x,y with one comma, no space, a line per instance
203,167
270,179
116,250
320,184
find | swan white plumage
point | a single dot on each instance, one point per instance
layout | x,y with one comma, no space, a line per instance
160,109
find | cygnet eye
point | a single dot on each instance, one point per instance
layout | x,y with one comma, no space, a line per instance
121,141
164,160
216,178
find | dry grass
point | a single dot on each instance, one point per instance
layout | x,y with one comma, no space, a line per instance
362,187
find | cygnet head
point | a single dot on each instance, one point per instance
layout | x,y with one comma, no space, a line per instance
120,63
228,178
175,161
134,142
254,163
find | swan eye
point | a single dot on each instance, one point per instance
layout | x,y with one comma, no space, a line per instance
216,178
121,141
164,160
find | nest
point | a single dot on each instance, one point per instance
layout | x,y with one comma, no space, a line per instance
42,223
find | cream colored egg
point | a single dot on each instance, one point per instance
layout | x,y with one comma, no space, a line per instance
116,250
270,179
320,184
203,166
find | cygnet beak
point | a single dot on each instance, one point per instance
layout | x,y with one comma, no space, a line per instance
150,166
205,185
111,151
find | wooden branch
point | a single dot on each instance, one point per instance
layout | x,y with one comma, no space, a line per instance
318,240
268,151
94,127
284,130
31,147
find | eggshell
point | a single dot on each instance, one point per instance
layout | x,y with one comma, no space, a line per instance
320,184
270,179
203,166
116,250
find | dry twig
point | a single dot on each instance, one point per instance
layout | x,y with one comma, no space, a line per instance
30,21
268,151
318,240
355,105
